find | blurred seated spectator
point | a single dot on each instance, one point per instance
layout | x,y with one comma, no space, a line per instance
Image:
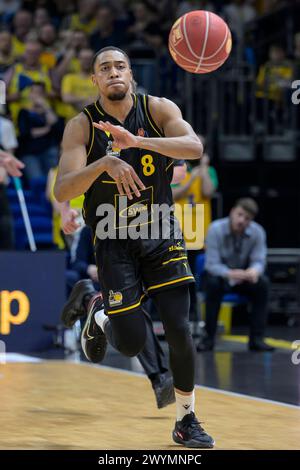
235,261
40,18
84,19
22,24
144,35
7,57
6,221
191,5
237,13
77,89
39,129
66,216
70,44
83,265
7,10
109,29
275,75
47,37
296,54
197,187
273,90
8,142
22,75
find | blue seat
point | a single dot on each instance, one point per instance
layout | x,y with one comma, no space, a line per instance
228,300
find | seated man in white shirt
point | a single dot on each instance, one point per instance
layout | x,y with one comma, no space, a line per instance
235,262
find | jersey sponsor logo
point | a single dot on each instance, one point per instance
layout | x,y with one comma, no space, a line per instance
139,212
134,209
115,298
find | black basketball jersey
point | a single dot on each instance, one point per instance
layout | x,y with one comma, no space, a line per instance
155,170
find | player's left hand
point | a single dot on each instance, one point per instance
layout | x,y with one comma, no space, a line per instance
123,139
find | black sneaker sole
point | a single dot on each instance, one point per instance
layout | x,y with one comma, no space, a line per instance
192,444
73,309
83,340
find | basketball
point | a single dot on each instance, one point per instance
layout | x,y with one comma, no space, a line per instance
200,41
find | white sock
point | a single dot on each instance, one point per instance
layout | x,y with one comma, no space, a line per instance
184,405
101,319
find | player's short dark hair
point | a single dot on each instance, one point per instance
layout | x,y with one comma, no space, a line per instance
110,48
249,205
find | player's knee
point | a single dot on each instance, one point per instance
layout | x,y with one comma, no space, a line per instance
131,349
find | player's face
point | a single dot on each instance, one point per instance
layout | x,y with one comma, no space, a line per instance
112,75
240,219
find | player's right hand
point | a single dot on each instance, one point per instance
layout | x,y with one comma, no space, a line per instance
124,175
68,221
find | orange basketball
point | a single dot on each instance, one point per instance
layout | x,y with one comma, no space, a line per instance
200,41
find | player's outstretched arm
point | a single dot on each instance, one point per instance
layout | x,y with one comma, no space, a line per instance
180,140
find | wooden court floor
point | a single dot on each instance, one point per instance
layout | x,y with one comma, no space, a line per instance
60,405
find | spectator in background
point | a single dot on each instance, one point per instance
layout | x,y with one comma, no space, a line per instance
8,142
83,265
66,216
77,89
144,35
83,20
235,262
22,24
39,129
191,5
273,85
12,165
197,187
40,18
7,57
8,8
109,30
71,43
296,55
237,14
275,75
48,39
21,76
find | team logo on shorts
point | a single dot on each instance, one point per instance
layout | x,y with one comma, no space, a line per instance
115,298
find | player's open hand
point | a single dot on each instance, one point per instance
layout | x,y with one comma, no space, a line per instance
12,165
123,139
69,223
124,175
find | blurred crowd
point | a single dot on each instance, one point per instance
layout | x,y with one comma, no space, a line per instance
46,51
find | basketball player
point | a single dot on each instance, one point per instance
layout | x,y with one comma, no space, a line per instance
148,132
151,357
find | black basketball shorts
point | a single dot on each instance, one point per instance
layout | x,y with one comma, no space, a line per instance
129,270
